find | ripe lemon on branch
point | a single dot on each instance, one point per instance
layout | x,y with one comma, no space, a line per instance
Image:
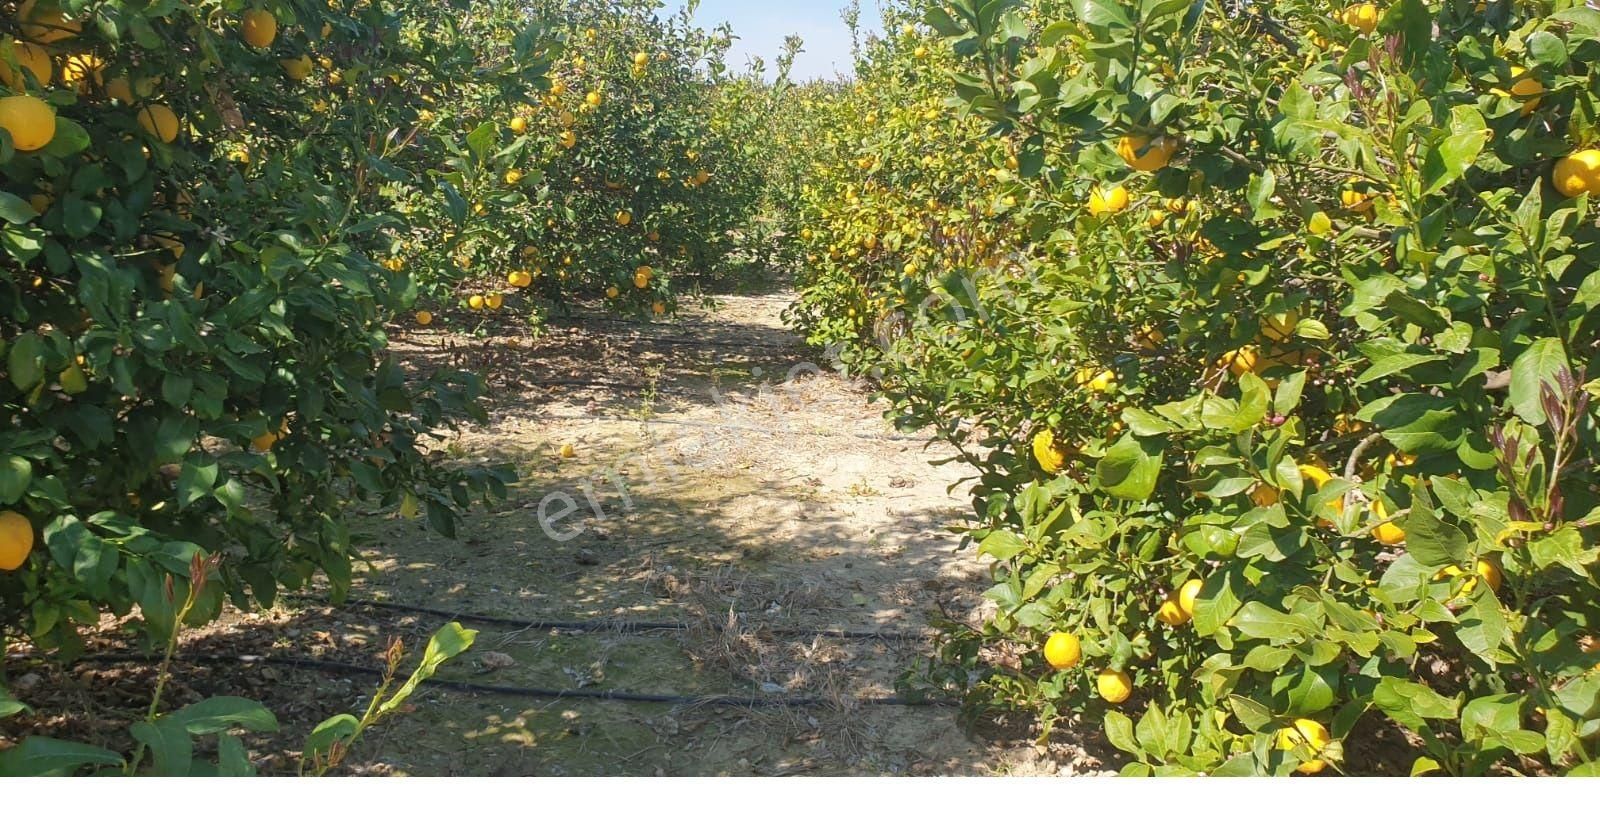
1105,200
258,28
31,122
45,23
1578,174
16,540
1142,153
159,121
1306,734
1386,533
1062,651
1114,686
1050,453
30,58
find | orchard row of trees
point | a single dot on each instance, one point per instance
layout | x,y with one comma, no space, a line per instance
219,214
1269,330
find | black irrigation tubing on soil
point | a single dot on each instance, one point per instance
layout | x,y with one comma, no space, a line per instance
516,690
792,348
750,429
602,624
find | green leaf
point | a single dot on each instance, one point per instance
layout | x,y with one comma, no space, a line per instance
1218,600
336,729
449,642
1130,468
171,748
1119,730
1532,370
195,482
41,756
16,473
25,363
1430,540
15,210
1449,160
9,705
1482,627
1424,765
1255,716
1259,621
218,714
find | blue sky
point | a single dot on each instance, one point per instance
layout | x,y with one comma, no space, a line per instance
762,24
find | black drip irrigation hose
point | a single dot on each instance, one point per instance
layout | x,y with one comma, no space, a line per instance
750,429
618,626
787,348
727,700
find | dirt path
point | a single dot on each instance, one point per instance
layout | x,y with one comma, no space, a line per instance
719,480
722,480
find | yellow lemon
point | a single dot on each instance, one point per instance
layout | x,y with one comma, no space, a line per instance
1114,686
568,139
296,68
1306,734
519,125
1243,360
475,302
1363,17
45,23
28,57
493,301
593,99
1578,173
31,122
424,318
1187,595
1387,533
1526,88
16,540
1171,614
159,121
258,28
1107,200
1142,153
1062,650
1049,453
612,293
1279,327
1097,380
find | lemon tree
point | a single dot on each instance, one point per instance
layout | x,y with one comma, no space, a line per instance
192,318
1278,387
